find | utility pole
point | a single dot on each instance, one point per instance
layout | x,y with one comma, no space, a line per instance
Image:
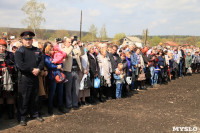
80,25
146,35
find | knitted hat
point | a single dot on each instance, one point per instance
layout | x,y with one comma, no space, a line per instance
3,42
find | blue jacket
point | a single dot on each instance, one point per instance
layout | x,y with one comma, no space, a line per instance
156,71
161,61
52,68
134,61
116,77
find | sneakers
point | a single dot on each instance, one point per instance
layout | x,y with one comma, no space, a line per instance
40,119
84,104
62,110
23,123
75,108
50,111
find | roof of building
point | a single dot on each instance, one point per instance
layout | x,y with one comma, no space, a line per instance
133,39
170,43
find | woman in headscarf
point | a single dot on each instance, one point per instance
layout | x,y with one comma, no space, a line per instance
8,75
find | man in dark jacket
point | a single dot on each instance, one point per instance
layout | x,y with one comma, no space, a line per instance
30,62
114,58
152,58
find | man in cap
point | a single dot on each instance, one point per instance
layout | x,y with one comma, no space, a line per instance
72,68
30,62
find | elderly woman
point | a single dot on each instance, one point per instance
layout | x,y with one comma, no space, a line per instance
93,70
105,73
8,76
83,92
49,51
140,70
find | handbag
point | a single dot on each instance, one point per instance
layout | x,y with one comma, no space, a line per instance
59,79
189,70
96,83
129,80
141,76
87,83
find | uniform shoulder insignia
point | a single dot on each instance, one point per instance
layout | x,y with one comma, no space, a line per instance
21,49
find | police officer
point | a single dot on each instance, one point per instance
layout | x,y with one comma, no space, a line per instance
30,62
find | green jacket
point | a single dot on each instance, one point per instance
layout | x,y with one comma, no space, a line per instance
188,61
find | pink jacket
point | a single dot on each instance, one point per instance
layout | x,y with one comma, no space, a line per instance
59,55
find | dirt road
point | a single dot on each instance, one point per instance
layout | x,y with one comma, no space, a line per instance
155,110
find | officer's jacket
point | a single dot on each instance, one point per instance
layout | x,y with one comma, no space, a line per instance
27,59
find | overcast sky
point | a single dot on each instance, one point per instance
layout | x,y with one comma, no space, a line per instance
161,17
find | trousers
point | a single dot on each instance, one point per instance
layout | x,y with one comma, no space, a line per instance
71,89
28,96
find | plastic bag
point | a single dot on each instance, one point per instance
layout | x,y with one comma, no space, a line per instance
96,83
82,82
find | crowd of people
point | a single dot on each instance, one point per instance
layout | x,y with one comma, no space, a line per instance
70,74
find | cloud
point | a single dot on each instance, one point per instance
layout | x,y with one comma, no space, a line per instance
93,12
158,22
118,21
11,4
124,7
174,5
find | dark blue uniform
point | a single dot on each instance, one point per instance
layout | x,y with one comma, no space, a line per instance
26,60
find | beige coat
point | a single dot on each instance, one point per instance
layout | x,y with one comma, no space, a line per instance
83,93
105,68
83,70
67,63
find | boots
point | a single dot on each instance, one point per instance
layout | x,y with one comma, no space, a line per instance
50,110
101,98
11,111
92,96
1,110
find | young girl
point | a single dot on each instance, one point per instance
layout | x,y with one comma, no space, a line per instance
119,80
58,58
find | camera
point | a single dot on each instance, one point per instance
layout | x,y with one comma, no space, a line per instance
75,39
59,40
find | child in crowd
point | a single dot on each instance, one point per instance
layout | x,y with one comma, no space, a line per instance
188,63
119,80
157,71
58,58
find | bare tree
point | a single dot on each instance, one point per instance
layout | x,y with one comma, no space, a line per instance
34,11
103,33
93,32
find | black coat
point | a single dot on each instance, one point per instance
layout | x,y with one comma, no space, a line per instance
93,64
145,58
110,55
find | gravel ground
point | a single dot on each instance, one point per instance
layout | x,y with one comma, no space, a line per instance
154,110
